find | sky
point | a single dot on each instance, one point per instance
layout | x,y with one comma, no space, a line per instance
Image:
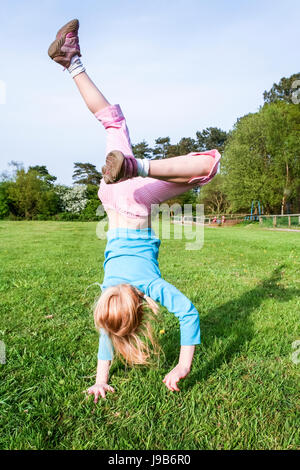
174,66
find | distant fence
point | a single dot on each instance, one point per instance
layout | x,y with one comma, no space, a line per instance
268,221
286,220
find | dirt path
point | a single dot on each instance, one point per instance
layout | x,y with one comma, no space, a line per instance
283,229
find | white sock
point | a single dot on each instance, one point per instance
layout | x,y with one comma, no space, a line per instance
143,166
76,66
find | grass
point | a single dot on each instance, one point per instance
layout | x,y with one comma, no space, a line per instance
242,392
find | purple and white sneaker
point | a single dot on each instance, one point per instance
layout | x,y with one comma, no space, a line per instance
119,167
66,44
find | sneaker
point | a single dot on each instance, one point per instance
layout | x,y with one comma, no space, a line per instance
118,167
66,44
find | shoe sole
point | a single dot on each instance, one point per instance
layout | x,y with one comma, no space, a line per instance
55,47
114,163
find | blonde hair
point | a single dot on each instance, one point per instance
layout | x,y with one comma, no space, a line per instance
126,313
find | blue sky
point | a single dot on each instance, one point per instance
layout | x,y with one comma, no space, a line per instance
175,67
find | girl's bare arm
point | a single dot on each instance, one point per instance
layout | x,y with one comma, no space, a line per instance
101,386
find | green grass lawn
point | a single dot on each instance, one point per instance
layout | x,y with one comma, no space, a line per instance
242,392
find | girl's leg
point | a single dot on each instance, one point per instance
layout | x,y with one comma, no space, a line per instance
92,96
177,169
111,116
181,169
65,51
121,164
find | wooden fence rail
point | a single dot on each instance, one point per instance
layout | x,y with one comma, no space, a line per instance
231,219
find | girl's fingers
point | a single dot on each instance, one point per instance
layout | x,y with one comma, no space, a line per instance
168,384
171,383
174,384
111,389
102,392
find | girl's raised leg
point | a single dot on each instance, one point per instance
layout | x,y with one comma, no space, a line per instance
120,164
181,169
92,96
65,51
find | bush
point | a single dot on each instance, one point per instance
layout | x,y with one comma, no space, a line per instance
4,200
90,211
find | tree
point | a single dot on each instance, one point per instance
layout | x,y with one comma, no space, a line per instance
162,145
213,196
189,197
72,199
283,90
28,194
86,173
185,146
11,175
4,199
93,203
211,138
261,159
43,174
142,150
48,204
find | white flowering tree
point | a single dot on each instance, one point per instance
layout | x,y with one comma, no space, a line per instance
72,199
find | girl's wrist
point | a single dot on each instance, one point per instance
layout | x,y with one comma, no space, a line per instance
185,367
186,357
102,372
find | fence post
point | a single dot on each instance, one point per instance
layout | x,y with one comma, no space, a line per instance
274,221
289,220
260,220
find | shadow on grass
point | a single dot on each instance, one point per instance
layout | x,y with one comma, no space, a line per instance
232,324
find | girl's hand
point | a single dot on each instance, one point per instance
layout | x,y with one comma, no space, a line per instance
99,389
171,379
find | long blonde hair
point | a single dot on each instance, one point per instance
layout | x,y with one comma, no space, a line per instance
126,313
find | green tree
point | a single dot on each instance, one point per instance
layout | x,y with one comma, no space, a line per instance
43,174
142,150
4,199
86,173
211,138
186,145
261,160
48,204
189,197
213,196
281,91
28,195
162,145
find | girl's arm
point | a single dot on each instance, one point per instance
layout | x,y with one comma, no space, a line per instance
105,356
171,298
101,386
182,369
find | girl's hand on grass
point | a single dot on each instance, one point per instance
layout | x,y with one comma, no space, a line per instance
171,379
99,390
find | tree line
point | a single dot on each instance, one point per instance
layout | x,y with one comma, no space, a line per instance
260,162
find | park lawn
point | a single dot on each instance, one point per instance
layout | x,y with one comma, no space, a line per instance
242,392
